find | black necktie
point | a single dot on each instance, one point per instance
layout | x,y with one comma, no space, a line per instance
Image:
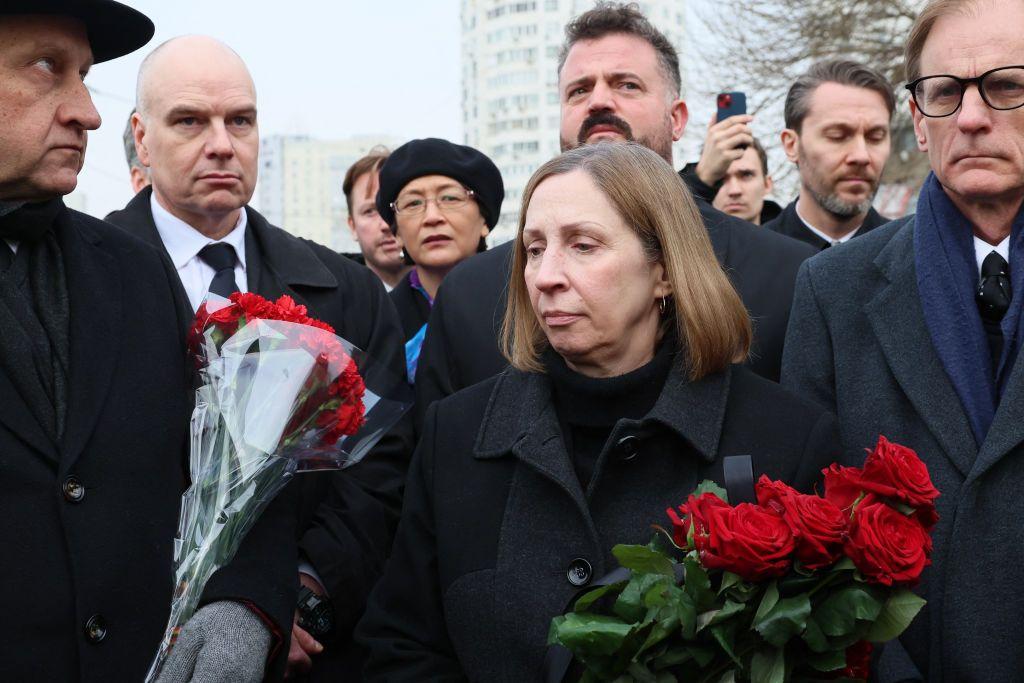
221,257
6,256
994,292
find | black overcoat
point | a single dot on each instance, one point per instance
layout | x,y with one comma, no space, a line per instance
88,524
788,223
858,345
494,513
346,519
461,345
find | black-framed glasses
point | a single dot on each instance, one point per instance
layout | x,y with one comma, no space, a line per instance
448,200
942,95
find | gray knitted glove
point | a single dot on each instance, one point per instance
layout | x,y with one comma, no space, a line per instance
224,642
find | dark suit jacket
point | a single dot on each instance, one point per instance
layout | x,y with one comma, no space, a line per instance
461,346
788,223
346,519
105,557
495,514
859,346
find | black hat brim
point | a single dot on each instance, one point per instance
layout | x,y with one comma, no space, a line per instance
114,29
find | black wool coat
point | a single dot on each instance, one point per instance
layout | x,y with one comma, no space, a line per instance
495,515
88,523
346,519
788,223
859,346
461,345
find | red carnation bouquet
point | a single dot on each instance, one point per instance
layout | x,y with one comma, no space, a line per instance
793,588
279,394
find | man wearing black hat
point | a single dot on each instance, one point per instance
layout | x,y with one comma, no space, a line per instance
94,392
196,130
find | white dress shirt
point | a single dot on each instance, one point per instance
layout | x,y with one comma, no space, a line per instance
183,244
983,249
831,240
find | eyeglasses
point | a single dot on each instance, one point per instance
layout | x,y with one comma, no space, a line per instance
449,200
938,96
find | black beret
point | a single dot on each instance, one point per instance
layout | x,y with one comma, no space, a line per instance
114,29
433,156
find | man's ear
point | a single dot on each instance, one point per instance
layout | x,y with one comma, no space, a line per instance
920,129
139,133
679,115
769,184
790,144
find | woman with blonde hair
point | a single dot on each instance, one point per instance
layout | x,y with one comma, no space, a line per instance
623,333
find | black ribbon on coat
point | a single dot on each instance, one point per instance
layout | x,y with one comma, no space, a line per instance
34,316
739,486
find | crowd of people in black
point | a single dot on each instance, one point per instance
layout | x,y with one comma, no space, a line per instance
570,384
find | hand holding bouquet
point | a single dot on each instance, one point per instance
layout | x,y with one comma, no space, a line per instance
280,393
793,588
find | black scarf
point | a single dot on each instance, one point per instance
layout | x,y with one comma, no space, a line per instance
34,318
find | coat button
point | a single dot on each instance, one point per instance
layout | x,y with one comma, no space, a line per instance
73,490
96,628
629,447
579,572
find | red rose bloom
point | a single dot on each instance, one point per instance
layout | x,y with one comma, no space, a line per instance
894,471
842,486
858,661
887,546
817,524
747,539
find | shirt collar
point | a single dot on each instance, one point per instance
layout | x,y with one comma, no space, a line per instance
983,249
822,234
183,242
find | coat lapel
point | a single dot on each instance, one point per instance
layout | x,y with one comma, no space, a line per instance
278,263
1007,430
520,420
94,292
898,322
16,416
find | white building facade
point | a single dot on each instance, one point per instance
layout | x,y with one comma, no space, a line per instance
300,182
510,100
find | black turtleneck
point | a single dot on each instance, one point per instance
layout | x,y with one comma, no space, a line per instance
589,407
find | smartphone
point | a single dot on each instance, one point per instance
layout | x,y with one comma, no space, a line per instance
731,104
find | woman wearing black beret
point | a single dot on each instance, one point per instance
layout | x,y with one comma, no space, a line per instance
441,200
623,333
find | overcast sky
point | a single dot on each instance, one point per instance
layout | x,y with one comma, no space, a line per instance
327,69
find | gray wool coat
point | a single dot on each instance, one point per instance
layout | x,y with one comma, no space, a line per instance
857,344
494,513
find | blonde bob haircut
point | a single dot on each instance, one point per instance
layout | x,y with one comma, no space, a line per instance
705,312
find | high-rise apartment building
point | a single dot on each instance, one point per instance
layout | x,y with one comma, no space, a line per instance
510,99
300,184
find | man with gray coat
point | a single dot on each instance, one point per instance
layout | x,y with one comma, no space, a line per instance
914,332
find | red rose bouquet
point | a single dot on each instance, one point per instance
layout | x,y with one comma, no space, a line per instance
279,394
793,588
